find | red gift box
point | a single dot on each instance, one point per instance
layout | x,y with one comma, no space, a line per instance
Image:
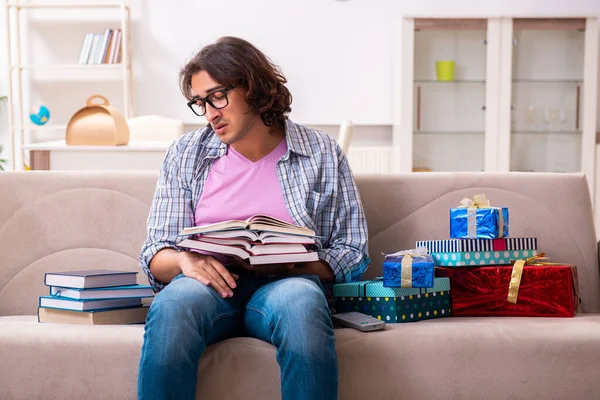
544,291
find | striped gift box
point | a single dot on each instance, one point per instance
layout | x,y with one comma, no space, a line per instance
468,245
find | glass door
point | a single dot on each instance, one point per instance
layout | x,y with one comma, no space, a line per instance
449,92
546,96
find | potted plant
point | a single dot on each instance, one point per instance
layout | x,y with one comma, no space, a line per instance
2,160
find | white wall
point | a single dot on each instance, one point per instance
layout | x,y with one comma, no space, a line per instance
4,138
337,55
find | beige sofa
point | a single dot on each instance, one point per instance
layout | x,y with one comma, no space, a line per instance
65,220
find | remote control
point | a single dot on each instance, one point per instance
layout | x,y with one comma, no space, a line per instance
360,321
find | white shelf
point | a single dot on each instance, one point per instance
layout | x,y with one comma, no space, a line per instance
25,75
133,145
455,132
69,66
545,132
48,127
567,80
456,81
39,5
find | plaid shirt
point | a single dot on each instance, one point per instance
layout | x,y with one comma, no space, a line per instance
318,189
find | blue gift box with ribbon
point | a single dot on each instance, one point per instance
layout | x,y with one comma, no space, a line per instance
394,305
408,269
477,219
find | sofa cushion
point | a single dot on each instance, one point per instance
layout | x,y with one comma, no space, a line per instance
520,358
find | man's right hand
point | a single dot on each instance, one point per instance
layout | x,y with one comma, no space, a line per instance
208,270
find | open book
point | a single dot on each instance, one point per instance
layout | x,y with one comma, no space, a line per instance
258,237
258,222
256,249
255,257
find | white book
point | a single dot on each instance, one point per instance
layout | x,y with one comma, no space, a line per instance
260,237
103,46
258,222
92,278
94,49
86,47
245,255
257,249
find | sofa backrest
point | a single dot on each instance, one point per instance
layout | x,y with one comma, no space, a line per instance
62,220
66,221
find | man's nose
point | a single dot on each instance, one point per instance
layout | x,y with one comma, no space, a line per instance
212,113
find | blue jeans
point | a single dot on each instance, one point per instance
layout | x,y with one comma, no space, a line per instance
290,313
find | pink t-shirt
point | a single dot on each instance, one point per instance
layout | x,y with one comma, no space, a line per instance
237,188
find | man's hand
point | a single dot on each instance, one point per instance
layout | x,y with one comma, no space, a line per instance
208,270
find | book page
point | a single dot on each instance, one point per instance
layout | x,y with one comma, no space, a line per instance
217,226
241,243
292,230
232,234
268,220
214,248
275,237
283,258
261,249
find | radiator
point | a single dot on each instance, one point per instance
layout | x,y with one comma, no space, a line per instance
370,160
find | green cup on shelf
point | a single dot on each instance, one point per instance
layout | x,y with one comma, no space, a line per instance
444,70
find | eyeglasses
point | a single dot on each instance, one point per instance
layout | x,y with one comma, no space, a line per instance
217,100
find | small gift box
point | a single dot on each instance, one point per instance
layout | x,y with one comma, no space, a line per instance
466,245
479,258
393,304
408,268
476,219
526,289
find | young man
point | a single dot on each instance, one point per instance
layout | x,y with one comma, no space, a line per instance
250,159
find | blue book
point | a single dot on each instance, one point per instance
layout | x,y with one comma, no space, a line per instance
87,305
115,292
90,278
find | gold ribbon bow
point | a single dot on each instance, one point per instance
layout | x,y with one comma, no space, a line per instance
517,272
479,201
407,261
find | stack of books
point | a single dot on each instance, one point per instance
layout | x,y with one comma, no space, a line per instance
93,297
101,48
260,239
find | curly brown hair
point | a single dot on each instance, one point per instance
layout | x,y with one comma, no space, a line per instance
234,61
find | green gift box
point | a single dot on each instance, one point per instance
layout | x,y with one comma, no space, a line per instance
393,304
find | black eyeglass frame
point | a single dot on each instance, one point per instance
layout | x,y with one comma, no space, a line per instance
205,100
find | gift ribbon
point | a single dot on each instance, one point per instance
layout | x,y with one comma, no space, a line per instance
406,276
479,201
517,272
407,262
513,288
